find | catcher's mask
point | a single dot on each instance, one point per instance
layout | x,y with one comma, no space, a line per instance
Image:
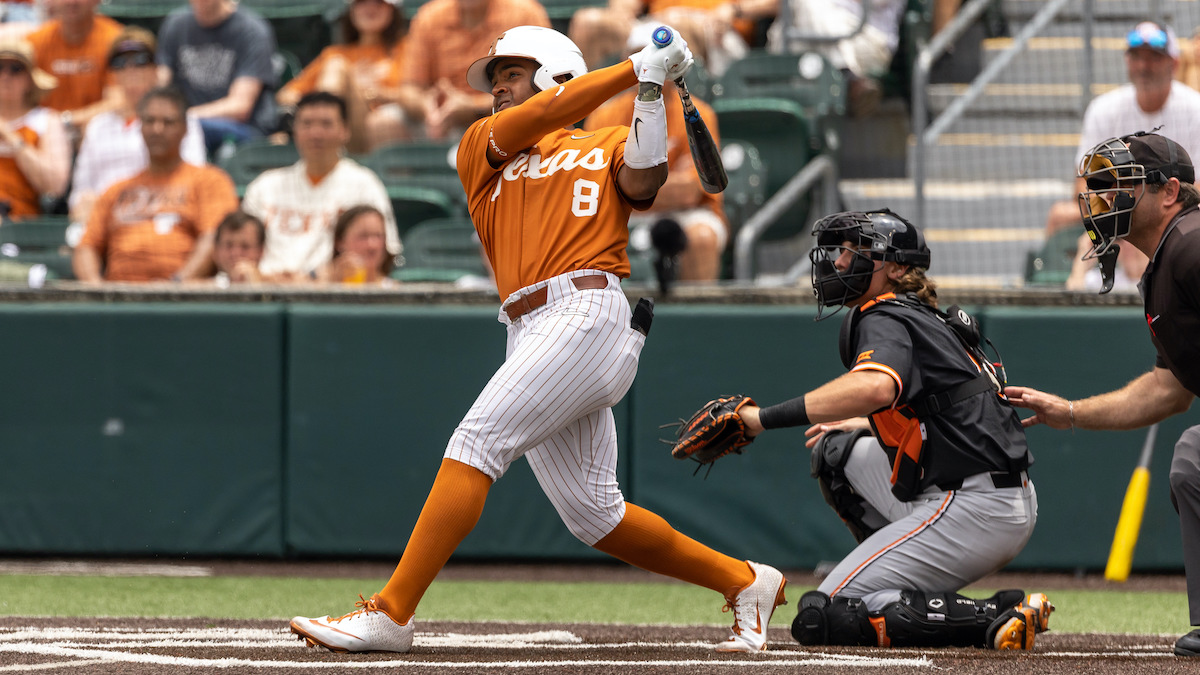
1112,175
870,236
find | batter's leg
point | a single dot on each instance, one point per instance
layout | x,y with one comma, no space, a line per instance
577,470
1185,495
451,511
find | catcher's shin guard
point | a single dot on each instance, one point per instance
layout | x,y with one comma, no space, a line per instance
828,462
833,621
927,619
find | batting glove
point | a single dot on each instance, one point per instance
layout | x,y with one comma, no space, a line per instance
657,64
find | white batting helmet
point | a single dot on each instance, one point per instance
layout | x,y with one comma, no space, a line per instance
555,54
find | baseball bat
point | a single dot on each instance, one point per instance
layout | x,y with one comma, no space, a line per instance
1120,557
705,153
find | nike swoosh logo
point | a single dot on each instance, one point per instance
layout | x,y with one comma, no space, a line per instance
636,122
336,630
580,138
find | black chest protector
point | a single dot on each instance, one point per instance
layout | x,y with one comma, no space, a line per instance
964,327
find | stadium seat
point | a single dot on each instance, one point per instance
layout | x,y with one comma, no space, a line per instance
1051,264
302,27
413,205
747,189
148,14
442,249
806,78
427,164
40,239
254,157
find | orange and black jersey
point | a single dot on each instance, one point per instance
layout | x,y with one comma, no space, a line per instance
1171,293
921,353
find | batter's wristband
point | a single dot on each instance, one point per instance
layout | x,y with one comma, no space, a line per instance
787,414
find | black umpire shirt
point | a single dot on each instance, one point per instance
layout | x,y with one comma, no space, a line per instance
1171,291
982,433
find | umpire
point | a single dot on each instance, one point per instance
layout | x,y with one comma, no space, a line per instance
1140,189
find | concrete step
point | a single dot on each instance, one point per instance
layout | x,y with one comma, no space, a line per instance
1032,155
1129,11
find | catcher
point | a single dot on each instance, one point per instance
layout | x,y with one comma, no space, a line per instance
915,447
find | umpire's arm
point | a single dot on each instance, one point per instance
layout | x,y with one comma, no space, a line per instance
1151,397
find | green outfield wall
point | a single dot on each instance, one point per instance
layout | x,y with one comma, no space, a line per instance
297,428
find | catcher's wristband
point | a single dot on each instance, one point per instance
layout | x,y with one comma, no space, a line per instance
787,414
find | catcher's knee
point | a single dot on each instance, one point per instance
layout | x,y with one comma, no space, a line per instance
823,620
828,467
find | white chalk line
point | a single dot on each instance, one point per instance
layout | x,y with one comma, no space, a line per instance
104,645
53,665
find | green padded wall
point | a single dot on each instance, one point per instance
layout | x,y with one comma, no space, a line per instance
374,394
141,429
761,505
1081,477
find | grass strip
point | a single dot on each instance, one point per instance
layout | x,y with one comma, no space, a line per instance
1079,611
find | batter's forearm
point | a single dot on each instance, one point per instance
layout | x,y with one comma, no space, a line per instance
521,126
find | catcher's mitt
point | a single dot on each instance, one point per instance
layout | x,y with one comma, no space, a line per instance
714,431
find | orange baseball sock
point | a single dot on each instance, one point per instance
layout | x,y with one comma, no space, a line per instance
451,510
644,539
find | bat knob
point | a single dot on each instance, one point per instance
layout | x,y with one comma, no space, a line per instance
662,37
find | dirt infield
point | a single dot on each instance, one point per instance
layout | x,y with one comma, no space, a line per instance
128,646
150,646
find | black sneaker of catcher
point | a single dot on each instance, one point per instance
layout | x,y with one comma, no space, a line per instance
1188,645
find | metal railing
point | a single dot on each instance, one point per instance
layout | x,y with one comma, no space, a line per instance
822,167
968,15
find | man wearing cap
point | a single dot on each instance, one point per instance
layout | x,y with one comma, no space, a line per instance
1152,98
113,149
1139,188
35,154
74,48
219,55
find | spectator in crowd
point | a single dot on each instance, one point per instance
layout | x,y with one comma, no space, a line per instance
74,47
1152,98
718,32
300,203
35,153
238,248
364,71
862,57
114,149
681,200
360,254
445,37
158,224
219,55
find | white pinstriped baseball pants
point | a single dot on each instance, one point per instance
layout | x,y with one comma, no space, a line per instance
567,363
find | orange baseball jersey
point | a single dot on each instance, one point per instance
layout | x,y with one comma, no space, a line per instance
81,69
440,46
619,110
145,227
553,207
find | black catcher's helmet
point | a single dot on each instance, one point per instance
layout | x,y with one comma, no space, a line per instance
872,236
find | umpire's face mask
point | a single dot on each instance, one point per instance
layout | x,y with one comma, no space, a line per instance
836,287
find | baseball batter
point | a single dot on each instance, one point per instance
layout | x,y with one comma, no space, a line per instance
551,206
916,449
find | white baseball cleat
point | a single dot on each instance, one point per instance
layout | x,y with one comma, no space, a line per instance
752,610
366,629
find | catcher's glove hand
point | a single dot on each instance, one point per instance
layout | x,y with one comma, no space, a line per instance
714,431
